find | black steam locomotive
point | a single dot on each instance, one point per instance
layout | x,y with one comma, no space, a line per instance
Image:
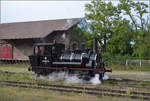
52,57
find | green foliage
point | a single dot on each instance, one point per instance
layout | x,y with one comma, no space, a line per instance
118,35
101,15
141,47
106,56
119,43
139,30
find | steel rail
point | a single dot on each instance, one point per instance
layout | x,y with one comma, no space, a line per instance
8,72
110,80
92,91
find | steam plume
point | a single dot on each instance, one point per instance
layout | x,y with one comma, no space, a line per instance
95,80
56,76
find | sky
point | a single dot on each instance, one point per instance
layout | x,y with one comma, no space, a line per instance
18,11
22,11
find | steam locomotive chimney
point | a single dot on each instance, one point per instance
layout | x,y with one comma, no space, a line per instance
95,45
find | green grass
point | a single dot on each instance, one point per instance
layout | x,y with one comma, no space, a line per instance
117,73
105,84
128,68
27,94
23,78
15,68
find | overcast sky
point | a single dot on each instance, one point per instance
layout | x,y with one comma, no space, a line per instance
20,11
16,11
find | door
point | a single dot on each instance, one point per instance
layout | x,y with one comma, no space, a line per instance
6,52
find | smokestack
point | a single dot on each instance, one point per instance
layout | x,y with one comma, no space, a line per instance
95,45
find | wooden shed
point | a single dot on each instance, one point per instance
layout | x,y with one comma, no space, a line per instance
17,39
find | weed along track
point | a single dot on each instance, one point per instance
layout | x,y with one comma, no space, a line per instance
110,83
8,72
91,91
113,80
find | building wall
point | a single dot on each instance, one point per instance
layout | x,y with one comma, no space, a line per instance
22,48
59,37
65,37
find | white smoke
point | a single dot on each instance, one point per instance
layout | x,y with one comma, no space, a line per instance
73,79
118,79
95,80
56,76
42,77
106,77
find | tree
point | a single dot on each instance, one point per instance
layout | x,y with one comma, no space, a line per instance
109,27
139,25
116,33
101,16
120,42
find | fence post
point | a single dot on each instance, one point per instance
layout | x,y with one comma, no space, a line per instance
140,63
126,62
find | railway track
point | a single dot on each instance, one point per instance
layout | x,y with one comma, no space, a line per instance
7,72
110,79
91,91
119,84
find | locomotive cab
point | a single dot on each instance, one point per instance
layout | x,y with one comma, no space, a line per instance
44,54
